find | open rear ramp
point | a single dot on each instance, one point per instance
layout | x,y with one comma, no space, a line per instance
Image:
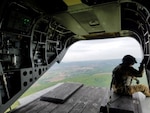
86,99
79,98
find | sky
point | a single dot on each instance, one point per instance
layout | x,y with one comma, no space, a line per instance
103,49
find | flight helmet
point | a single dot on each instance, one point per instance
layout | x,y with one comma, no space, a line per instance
128,60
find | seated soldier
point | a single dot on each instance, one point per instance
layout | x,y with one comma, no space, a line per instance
123,75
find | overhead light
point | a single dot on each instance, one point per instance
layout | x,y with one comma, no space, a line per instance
94,23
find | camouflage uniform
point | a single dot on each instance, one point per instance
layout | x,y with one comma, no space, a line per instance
122,79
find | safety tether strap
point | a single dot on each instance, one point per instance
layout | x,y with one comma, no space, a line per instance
4,80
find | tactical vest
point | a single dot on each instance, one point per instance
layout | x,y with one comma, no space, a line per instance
120,79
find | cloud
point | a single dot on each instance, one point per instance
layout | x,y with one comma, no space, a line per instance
103,49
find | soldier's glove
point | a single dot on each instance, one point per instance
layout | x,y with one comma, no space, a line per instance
141,68
137,81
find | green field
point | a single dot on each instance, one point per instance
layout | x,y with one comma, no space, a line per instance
98,80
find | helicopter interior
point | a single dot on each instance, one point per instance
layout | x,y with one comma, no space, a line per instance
36,34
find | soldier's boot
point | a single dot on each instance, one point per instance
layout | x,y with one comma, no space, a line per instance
142,88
